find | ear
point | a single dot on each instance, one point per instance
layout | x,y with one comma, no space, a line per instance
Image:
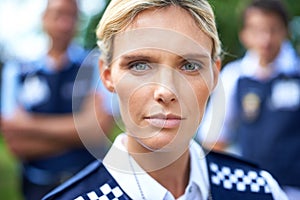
105,75
216,71
218,64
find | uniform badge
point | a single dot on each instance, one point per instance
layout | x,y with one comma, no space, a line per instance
251,104
35,90
285,95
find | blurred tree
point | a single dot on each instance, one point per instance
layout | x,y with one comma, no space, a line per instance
228,18
295,32
90,40
226,12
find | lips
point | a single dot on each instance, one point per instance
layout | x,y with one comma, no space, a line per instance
164,121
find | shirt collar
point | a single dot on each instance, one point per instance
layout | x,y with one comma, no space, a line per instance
199,172
74,53
286,61
122,172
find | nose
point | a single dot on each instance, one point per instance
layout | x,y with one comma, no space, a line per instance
165,89
164,95
265,38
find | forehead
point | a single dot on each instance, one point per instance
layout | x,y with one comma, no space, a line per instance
62,4
255,15
171,28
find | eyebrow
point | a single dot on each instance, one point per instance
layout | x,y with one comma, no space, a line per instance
135,57
141,56
195,55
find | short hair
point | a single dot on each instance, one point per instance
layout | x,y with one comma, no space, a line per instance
269,6
120,13
74,2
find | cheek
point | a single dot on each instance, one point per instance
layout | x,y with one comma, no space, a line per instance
277,41
133,98
202,97
196,101
137,103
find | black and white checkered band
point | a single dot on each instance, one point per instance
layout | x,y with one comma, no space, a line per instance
105,192
238,179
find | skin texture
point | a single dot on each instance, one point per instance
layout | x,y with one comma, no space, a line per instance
162,93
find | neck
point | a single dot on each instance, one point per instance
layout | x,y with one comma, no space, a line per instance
58,54
263,63
174,177
171,169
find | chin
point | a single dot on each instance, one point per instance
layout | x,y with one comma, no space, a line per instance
163,142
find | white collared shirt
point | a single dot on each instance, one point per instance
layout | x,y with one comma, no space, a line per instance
198,182
117,163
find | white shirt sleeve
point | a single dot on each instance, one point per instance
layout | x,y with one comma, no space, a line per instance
9,89
220,118
230,76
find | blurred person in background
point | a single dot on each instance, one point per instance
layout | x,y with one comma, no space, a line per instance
37,104
262,92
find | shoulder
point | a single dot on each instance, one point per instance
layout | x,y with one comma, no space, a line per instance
80,183
93,182
81,177
231,72
14,69
237,178
229,159
10,68
76,53
232,66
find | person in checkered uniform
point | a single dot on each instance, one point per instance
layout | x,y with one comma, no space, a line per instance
161,57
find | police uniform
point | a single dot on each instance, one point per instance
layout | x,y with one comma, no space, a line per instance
269,131
263,114
40,89
214,176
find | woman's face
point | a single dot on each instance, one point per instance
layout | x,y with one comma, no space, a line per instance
163,74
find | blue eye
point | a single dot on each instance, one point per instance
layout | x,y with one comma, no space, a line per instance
139,66
191,67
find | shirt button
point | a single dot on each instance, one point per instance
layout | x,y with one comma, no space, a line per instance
190,189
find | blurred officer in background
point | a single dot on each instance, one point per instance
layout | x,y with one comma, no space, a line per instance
262,92
37,119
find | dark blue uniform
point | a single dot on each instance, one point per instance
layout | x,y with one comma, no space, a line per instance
58,93
269,130
40,89
230,179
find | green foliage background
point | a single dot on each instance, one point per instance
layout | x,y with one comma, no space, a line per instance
228,14
227,17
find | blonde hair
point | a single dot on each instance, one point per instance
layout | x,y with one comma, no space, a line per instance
120,13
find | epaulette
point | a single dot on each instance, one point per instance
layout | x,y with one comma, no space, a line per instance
227,157
78,177
234,178
93,182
